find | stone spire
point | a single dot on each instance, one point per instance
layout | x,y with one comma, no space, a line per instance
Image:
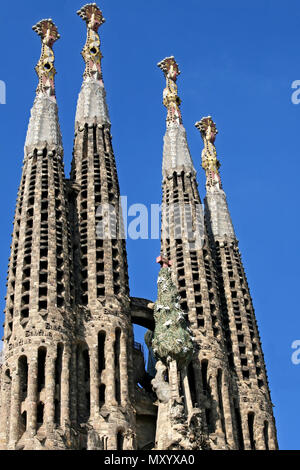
185,241
40,281
94,171
100,264
43,129
254,420
216,203
91,106
176,155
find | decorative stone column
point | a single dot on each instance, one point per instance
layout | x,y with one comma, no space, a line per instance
50,392
215,399
94,382
124,369
32,395
65,387
80,386
110,370
73,385
14,410
5,409
272,436
187,392
245,429
228,414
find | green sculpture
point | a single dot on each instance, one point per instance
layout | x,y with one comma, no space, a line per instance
172,338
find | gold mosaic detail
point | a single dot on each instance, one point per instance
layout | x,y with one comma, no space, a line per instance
210,162
91,53
171,99
45,69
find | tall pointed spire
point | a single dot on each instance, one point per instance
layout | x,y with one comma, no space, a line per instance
176,155
91,106
217,211
100,260
254,418
40,284
43,129
185,241
94,171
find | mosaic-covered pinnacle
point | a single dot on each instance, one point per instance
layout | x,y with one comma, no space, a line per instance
91,53
45,70
171,99
91,106
210,163
47,30
176,154
218,215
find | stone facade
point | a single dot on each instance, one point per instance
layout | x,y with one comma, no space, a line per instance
72,376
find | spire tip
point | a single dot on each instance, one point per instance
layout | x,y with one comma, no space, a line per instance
47,30
210,163
167,64
92,15
171,99
207,128
91,53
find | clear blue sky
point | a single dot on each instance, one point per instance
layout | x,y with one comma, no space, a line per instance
238,60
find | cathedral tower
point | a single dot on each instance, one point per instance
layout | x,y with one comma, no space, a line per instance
186,243
104,363
39,319
252,403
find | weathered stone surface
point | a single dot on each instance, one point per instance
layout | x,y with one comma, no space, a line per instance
91,104
176,154
217,213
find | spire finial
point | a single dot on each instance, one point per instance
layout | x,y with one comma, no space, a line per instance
210,163
45,69
91,53
171,99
